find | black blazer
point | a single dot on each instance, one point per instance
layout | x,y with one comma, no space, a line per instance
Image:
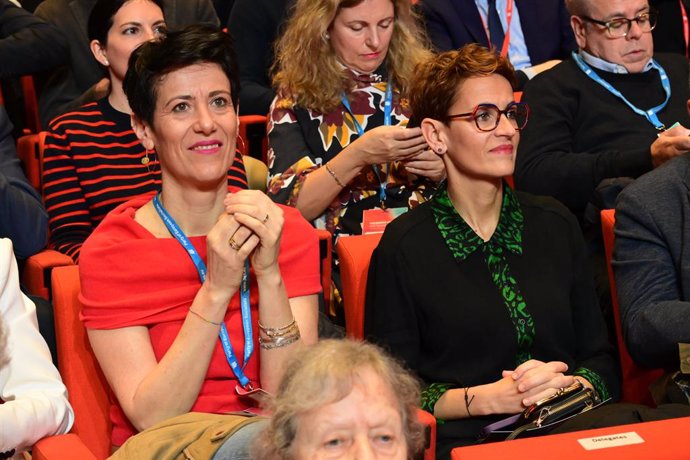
545,25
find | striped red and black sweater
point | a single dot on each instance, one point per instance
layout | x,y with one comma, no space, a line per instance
92,163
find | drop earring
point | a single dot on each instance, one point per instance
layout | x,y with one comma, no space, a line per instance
145,160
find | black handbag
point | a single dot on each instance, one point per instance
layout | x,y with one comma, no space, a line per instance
545,414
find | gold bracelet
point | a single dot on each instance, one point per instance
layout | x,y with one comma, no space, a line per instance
335,178
207,320
278,331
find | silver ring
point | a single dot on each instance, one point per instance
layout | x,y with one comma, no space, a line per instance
233,244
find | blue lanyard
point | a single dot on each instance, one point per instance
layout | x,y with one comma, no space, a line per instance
179,235
651,114
387,110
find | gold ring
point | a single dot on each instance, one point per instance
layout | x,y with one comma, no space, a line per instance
233,244
265,219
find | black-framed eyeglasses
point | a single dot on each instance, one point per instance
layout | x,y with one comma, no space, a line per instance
619,27
487,116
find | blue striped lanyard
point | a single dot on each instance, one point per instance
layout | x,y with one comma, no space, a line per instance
179,235
651,114
387,110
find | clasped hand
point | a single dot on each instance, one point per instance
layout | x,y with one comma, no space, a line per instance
251,227
530,382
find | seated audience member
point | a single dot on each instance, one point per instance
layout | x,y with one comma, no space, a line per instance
651,264
337,143
199,250
22,217
27,43
534,35
254,26
512,315
93,160
82,80
35,400
615,110
343,399
672,34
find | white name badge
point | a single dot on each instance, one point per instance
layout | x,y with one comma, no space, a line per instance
611,440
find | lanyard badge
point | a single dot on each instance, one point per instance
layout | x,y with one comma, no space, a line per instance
652,114
179,235
387,111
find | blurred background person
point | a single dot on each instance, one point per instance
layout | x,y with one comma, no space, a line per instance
35,399
651,266
82,80
22,217
534,35
27,45
343,399
234,264
497,332
254,26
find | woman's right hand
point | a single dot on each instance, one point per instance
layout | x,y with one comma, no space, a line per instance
224,264
389,143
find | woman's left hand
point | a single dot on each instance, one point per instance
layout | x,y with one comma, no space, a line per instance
261,225
538,380
427,164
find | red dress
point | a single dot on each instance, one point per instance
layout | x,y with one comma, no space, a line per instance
131,278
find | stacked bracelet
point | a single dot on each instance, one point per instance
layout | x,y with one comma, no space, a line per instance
277,337
333,175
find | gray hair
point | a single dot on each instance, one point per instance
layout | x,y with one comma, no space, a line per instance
323,374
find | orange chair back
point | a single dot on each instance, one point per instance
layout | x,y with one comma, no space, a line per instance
636,379
30,151
86,385
354,255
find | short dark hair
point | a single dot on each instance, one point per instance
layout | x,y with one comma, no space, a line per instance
101,18
194,44
433,90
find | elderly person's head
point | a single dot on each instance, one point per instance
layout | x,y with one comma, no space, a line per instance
466,103
118,27
618,31
322,36
183,92
340,399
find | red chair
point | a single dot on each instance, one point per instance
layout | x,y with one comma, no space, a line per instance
36,272
636,379
354,254
30,151
86,385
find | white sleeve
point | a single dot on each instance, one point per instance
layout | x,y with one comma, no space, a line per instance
35,397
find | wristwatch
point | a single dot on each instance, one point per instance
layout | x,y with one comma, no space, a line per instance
6,454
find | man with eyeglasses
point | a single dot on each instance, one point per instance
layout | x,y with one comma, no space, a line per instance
614,110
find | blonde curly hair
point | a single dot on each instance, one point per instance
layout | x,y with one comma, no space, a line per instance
306,68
